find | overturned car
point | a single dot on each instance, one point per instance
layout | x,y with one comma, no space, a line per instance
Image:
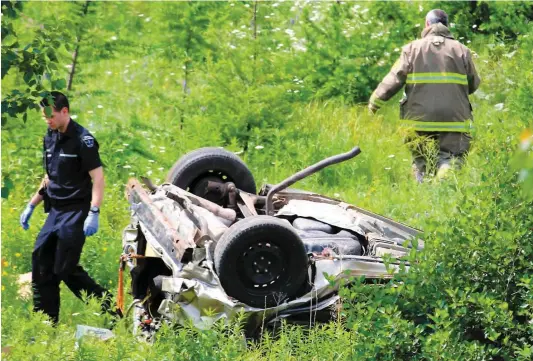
207,246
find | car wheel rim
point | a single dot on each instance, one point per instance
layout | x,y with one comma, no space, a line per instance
262,265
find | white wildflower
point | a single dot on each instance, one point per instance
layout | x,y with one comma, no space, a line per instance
498,106
510,55
74,116
259,147
147,19
127,166
90,111
391,156
109,72
99,106
114,38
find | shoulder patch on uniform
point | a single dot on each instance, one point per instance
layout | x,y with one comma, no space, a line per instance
88,140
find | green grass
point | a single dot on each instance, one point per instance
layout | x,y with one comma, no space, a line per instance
134,113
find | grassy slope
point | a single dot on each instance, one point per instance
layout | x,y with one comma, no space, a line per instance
139,135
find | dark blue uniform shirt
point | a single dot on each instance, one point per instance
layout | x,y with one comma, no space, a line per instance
68,158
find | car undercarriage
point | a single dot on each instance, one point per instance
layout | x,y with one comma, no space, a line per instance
206,246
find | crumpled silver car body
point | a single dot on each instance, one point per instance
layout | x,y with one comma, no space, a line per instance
179,230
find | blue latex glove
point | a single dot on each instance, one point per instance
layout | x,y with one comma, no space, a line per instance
90,226
26,215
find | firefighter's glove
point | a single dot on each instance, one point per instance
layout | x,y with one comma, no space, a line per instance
26,215
90,226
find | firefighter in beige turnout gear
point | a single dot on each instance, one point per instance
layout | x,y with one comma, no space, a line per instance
438,74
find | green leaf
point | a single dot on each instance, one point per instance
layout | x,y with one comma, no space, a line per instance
48,109
59,84
28,76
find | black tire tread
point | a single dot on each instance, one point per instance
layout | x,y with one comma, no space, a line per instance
184,168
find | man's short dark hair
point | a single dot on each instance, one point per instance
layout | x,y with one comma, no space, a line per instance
60,101
437,16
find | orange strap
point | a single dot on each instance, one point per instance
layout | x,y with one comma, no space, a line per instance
120,293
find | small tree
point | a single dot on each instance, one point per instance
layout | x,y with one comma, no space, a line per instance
36,61
186,41
84,8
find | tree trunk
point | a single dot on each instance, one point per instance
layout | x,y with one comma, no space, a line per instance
254,23
76,52
186,75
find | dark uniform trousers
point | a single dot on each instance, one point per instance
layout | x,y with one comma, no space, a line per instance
55,258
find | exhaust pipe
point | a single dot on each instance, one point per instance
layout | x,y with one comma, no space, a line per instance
307,172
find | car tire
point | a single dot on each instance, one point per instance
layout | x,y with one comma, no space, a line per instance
192,172
261,261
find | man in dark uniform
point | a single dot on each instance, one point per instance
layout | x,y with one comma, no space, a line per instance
72,189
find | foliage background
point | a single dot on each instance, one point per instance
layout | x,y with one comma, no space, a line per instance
283,84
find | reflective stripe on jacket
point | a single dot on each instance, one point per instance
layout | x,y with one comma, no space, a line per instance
438,74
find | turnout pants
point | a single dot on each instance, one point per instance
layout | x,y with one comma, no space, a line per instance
55,258
434,152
